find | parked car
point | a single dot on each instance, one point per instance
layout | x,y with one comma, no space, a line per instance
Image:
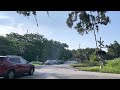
60,62
49,62
10,66
71,62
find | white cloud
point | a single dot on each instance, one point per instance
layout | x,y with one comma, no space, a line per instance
8,24
48,32
22,28
6,29
4,17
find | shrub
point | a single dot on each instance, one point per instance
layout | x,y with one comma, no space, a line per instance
80,65
114,63
86,64
113,66
93,58
36,62
93,69
91,63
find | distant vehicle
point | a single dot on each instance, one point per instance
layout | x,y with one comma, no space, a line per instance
71,62
60,61
51,62
14,65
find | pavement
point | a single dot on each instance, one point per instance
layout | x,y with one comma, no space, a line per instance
66,72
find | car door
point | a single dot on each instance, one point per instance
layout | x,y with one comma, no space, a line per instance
17,64
25,65
1,64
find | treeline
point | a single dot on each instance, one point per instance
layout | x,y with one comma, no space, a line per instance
36,47
89,53
33,47
83,54
113,51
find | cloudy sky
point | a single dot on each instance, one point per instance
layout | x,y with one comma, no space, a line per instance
54,27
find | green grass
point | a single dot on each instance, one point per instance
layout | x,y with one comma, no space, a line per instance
36,63
112,66
80,65
86,64
93,68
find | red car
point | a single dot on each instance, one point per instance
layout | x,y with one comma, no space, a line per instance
14,65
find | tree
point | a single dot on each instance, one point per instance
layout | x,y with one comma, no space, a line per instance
28,13
6,46
34,47
114,50
83,54
79,55
65,54
88,20
93,57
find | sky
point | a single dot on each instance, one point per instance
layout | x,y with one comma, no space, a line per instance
54,27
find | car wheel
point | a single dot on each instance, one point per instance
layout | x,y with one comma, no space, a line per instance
31,71
10,75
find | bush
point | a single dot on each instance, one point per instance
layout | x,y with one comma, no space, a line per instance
110,70
113,66
114,63
36,62
93,69
93,58
86,64
94,63
80,65
91,63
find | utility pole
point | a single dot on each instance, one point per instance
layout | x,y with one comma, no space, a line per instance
79,46
27,32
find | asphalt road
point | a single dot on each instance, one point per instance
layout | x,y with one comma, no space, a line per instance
66,72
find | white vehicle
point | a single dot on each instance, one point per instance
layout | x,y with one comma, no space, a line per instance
49,62
71,62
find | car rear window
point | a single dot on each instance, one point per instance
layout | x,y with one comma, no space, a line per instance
14,60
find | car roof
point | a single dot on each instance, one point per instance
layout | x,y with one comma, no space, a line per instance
11,56
2,56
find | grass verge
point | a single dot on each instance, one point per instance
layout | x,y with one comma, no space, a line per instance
112,66
93,68
36,63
